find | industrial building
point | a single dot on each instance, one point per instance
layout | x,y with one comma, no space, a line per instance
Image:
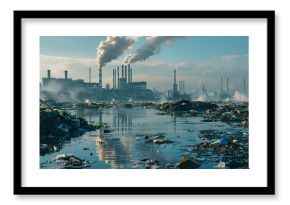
176,94
123,88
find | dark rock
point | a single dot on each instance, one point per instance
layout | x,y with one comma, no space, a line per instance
187,163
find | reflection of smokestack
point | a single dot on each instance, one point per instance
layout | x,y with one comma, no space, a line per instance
48,73
118,77
100,76
227,85
222,84
126,74
65,74
90,75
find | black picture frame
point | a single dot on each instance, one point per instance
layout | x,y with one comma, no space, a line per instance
268,190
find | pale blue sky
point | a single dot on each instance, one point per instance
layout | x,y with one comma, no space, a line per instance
198,59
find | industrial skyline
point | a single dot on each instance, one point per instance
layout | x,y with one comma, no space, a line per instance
198,60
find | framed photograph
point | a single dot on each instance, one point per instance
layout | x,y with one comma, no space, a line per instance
144,102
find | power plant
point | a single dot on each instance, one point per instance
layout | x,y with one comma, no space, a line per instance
123,88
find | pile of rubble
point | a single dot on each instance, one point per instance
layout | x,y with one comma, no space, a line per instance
56,126
186,105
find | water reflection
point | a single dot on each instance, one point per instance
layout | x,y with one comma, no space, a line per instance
126,147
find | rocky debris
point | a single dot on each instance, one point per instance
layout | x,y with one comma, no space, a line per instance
186,105
188,163
71,162
157,139
57,126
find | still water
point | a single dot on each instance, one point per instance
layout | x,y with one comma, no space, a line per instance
125,147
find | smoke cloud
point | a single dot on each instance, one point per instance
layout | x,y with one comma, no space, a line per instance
112,48
151,47
239,97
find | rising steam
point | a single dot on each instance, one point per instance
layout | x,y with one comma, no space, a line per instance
151,47
240,97
112,48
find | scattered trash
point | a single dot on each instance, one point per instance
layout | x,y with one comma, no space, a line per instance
225,141
221,164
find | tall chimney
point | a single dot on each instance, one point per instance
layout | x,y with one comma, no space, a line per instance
221,84
113,78
174,76
122,71
183,87
100,76
118,77
126,74
129,74
227,85
48,73
90,75
65,74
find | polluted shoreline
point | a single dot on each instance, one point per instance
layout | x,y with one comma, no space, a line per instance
180,134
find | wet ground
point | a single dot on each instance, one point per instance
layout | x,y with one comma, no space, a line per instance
149,138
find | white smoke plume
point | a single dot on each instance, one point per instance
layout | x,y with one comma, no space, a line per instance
151,47
202,98
112,48
239,97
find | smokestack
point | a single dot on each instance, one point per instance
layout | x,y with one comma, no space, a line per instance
174,76
65,74
222,84
227,85
183,87
129,74
126,74
122,71
100,76
48,73
118,77
90,75
113,78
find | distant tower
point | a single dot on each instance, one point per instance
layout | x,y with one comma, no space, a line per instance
100,76
129,73
118,77
113,78
174,85
126,75
65,74
203,89
48,73
183,87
